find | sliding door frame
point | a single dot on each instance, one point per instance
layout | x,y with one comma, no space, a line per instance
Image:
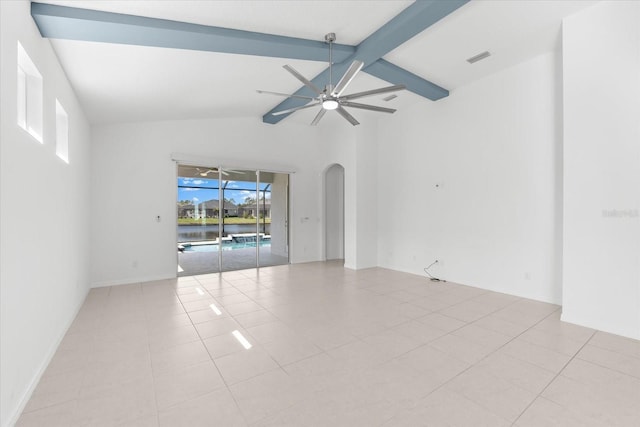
221,211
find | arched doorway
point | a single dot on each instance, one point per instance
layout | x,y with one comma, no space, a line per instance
334,212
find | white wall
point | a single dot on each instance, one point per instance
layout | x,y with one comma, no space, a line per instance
134,180
44,220
493,147
601,55
334,212
354,148
367,194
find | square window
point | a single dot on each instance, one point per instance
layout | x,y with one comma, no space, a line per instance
29,95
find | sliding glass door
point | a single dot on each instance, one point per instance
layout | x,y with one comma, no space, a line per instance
238,223
231,219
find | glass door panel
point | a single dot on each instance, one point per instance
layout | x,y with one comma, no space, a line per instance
197,213
273,219
238,197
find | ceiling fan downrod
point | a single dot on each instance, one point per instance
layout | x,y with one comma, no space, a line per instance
330,38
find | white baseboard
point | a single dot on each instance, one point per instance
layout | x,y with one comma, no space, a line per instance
350,266
600,326
131,280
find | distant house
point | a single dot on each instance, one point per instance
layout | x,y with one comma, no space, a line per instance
208,209
263,210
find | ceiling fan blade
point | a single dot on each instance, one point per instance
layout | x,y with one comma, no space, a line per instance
302,78
215,171
319,116
291,110
372,92
284,94
367,107
354,68
347,116
232,171
204,173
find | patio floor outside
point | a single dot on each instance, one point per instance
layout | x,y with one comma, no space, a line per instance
193,263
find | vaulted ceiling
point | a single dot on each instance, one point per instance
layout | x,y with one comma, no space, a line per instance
127,68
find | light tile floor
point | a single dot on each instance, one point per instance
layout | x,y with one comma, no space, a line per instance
331,347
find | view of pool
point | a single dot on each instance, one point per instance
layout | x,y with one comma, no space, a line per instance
226,246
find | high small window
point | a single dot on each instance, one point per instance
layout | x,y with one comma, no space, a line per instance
29,95
62,132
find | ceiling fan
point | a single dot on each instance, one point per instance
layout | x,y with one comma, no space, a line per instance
205,172
332,98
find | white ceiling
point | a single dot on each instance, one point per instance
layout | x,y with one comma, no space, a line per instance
122,83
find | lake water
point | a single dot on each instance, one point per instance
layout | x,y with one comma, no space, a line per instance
194,233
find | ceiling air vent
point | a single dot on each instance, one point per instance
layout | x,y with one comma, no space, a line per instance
390,97
479,57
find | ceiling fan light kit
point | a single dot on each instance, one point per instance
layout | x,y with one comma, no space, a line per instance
330,104
332,98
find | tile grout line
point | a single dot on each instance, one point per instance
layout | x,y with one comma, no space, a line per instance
281,368
323,351
480,360
153,376
224,381
449,333
361,339
464,326
608,367
207,350
553,379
